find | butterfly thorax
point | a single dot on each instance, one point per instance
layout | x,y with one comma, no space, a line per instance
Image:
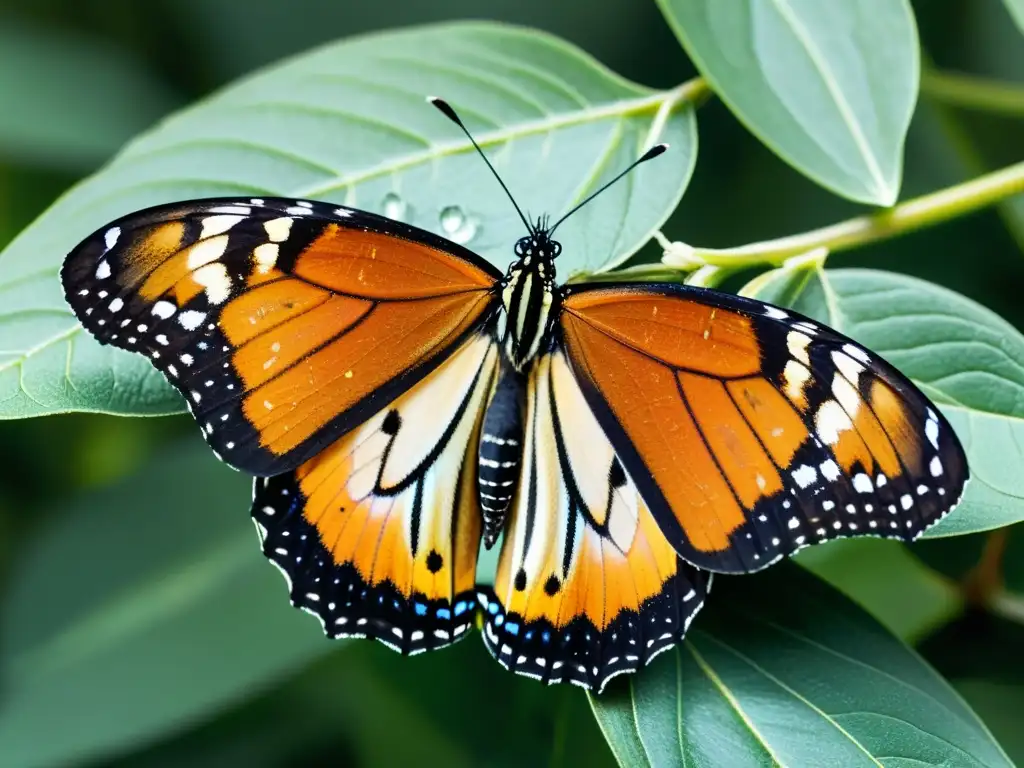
529,298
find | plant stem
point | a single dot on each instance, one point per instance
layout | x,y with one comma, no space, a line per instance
924,211
977,93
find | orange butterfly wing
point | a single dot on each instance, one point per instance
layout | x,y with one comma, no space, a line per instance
378,534
284,324
752,431
587,587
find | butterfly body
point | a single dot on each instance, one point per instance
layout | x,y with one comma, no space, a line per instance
530,298
401,401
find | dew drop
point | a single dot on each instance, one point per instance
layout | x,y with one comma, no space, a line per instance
394,207
452,218
457,226
466,232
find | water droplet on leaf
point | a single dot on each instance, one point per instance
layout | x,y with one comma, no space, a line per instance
457,226
394,207
452,218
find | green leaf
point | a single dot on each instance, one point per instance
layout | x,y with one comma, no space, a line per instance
143,608
980,656
885,578
70,102
1016,9
830,87
963,356
348,123
780,669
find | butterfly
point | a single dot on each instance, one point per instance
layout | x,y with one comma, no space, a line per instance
401,402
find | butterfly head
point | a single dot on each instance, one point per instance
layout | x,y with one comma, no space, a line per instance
538,245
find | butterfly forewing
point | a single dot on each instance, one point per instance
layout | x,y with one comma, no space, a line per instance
283,324
378,534
752,431
587,586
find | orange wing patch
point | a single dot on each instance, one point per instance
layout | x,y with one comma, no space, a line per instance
752,432
587,587
380,266
645,396
283,323
379,533
310,379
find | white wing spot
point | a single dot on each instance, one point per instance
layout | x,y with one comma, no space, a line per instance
797,342
216,280
857,353
207,250
862,483
278,229
164,309
830,420
218,225
804,475
266,257
239,210
847,366
110,238
830,470
190,319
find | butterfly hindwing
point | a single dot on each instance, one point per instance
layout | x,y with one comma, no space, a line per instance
587,587
753,431
282,323
378,535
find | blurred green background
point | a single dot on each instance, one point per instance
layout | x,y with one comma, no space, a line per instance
121,503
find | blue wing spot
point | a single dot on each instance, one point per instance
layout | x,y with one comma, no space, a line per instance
421,609
512,628
444,613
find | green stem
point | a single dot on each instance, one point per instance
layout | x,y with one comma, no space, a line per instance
924,211
977,93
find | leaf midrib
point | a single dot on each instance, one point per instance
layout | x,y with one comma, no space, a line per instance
846,112
621,108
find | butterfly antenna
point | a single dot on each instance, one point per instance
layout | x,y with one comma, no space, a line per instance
650,154
447,111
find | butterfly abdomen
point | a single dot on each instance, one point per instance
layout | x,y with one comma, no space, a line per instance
501,451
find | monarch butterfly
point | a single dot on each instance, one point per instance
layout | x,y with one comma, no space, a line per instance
400,401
